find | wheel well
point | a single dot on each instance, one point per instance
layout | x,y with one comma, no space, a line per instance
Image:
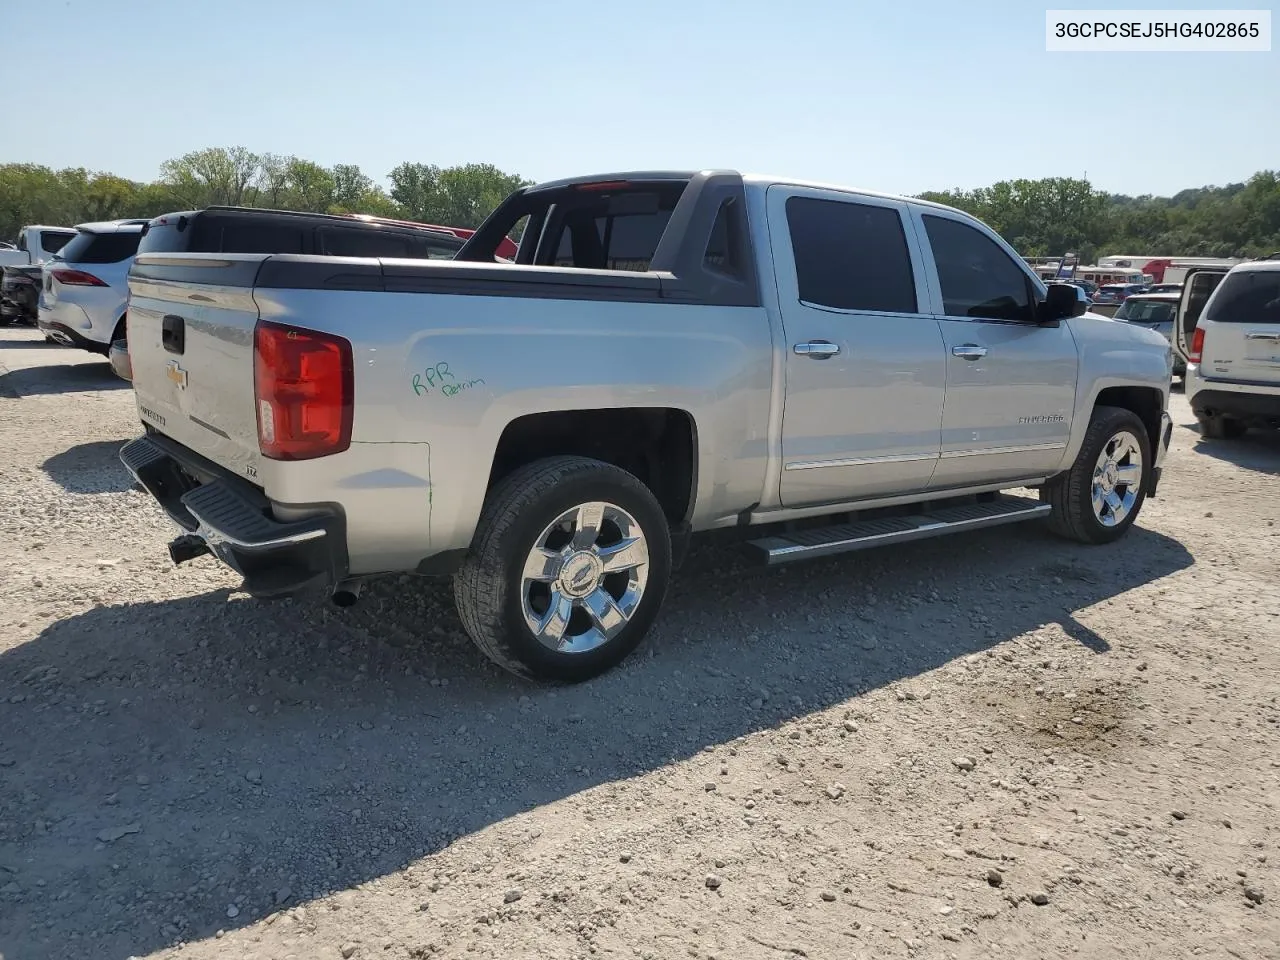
656,444
1144,401
121,330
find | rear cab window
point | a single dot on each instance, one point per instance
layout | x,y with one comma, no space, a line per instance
609,231
90,247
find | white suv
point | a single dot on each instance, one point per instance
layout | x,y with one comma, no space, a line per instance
1233,368
85,286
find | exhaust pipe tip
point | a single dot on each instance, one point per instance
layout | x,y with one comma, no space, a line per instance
187,547
347,592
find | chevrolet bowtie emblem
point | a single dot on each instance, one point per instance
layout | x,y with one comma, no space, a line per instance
175,373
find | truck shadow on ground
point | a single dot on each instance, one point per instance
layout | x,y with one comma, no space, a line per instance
9,342
92,467
54,379
169,765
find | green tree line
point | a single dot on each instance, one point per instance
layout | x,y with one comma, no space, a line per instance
459,196
1058,215
1038,217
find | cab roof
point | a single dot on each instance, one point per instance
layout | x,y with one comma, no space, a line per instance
748,179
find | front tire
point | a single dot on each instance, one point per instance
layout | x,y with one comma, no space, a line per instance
1099,498
566,572
1219,427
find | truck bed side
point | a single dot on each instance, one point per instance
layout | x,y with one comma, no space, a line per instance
450,357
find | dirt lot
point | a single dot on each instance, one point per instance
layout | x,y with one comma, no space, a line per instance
997,745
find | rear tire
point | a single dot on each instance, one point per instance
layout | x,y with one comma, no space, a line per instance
1219,427
566,572
1099,498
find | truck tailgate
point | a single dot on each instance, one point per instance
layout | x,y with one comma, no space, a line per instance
191,320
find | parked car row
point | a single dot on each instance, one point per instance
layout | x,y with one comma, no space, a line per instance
20,269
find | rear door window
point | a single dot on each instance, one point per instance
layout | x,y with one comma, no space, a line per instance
851,256
1195,294
101,247
436,248
347,242
247,235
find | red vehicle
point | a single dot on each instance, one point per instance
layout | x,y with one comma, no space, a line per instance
506,249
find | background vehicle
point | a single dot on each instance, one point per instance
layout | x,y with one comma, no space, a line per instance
259,230
839,370
1155,311
1165,288
1116,292
35,245
1106,276
506,249
84,290
19,293
1166,269
1232,346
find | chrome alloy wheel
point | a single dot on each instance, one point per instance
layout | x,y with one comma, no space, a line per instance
1117,479
584,577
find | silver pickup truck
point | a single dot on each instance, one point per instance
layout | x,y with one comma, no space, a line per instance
827,368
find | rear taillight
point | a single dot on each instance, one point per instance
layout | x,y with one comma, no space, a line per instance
77,278
304,383
1197,345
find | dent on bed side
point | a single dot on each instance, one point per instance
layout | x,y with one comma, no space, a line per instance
385,478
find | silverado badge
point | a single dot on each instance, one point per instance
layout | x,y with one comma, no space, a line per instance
177,374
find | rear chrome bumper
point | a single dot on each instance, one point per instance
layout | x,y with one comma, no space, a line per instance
221,514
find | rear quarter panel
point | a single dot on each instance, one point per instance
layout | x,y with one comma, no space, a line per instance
450,372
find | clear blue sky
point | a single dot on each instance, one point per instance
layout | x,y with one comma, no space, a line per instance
902,97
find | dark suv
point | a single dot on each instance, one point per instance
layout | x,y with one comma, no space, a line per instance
254,230
257,230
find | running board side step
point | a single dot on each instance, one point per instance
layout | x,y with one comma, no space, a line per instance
864,534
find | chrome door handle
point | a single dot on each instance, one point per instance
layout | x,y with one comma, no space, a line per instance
816,349
969,351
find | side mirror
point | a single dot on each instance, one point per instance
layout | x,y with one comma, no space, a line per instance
1061,300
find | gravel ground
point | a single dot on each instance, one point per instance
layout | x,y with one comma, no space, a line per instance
995,745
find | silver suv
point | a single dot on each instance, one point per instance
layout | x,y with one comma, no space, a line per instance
1155,311
85,288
